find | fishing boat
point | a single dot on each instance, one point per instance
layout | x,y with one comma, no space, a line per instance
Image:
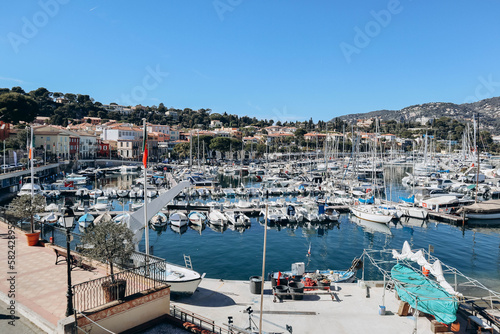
85,220
216,217
159,220
178,218
50,219
197,218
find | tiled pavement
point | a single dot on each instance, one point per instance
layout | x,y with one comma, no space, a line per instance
40,284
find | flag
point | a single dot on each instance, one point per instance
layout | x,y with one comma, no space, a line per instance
145,148
31,150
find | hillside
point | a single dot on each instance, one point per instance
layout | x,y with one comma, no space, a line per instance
488,110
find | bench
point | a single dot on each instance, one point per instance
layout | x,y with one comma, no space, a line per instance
75,261
480,323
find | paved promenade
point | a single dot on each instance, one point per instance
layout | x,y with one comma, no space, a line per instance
40,284
350,311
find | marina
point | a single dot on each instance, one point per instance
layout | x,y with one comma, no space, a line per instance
207,225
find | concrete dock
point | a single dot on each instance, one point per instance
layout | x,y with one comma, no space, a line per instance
351,310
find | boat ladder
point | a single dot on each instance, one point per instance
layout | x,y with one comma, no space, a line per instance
187,261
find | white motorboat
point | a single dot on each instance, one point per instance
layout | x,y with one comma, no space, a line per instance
197,218
229,192
128,169
95,193
331,214
216,217
178,218
237,218
243,204
82,192
110,192
122,218
101,204
182,280
26,189
122,192
152,193
52,207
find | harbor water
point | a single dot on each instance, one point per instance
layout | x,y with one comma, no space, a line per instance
237,254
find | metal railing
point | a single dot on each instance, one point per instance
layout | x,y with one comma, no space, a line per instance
91,294
198,320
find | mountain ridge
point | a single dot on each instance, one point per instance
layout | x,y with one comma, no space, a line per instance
487,109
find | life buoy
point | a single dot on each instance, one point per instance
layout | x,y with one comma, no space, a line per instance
368,190
425,271
424,205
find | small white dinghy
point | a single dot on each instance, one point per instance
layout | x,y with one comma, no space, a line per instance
178,218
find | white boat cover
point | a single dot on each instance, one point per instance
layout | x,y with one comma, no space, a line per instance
435,269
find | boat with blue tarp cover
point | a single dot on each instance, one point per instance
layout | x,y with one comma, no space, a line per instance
424,294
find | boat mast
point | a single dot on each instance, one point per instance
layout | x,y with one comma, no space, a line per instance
477,152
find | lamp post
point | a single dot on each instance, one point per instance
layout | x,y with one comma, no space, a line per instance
68,220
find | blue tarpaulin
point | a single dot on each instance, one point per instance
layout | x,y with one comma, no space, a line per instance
424,294
370,200
408,200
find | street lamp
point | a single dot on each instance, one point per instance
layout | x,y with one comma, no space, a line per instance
68,221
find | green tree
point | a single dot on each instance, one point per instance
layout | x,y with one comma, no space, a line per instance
109,242
181,150
26,206
15,107
220,144
18,141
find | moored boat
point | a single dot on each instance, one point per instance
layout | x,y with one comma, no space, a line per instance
178,218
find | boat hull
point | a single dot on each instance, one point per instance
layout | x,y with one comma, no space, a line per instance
377,218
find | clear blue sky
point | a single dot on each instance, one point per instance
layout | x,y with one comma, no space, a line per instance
279,59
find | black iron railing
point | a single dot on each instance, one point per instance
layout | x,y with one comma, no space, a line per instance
91,294
198,320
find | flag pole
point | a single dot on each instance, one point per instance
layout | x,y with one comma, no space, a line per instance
32,153
145,163
263,270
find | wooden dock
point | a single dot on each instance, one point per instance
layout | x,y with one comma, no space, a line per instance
441,216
